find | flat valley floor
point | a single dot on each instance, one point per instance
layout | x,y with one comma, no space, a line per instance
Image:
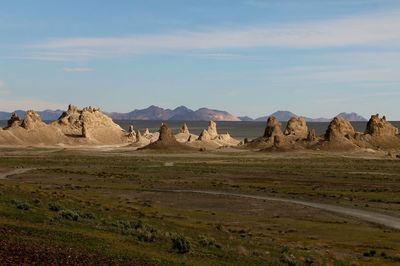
121,207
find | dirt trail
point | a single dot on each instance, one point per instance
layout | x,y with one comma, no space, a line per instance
368,216
15,172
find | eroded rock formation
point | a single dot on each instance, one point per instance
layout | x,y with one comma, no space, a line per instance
14,120
184,129
273,128
32,120
297,127
339,128
91,124
379,127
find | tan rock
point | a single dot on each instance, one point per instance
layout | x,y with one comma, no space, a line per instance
166,140
184,129
32,120
278,141
297,126
273,128
212,129
14,120
138,136
339,128
380,127
99,128
204,135
312,136
166,135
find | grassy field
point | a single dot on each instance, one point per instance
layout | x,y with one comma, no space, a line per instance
101,207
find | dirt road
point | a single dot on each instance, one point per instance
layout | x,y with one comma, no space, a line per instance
17,171
368,216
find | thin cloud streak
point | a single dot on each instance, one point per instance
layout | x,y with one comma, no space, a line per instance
371,30
78,69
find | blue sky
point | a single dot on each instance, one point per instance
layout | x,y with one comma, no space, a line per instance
250,57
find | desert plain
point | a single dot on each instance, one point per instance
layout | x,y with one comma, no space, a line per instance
309,200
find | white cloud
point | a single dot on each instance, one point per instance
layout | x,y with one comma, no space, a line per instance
78,69
28,104
367,30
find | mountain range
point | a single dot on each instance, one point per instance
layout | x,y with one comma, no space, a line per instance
182,113
284,116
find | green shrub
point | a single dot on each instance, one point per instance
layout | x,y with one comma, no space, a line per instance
146,236
208,242
54,206
181,244
69,215
36,201
87,215
21,205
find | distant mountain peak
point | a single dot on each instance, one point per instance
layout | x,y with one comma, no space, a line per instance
179,113
353,117
284,116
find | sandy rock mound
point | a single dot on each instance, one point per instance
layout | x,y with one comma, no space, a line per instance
210,139
297,127
140,140
266,142
14,120
32,120
166,141
150,136
184,129
339,136
273,128
131,133
312,136
184,135
204,135
379,127
339,128
212,129
92,124
380,134
30,131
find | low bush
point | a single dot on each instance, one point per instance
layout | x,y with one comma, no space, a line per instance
54,206
69,215
208,242
21,205
181,244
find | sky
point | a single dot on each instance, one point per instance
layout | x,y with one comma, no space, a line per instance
316,58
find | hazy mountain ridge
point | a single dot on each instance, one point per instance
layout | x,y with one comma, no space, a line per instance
47,115
179,113
284,116
182,113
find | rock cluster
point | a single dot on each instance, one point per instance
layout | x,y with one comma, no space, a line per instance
213,138
339,128
273,128
32,120
166,135
166,141
90,123
212,129
297,127
89,126
379,127
14,120
184,129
